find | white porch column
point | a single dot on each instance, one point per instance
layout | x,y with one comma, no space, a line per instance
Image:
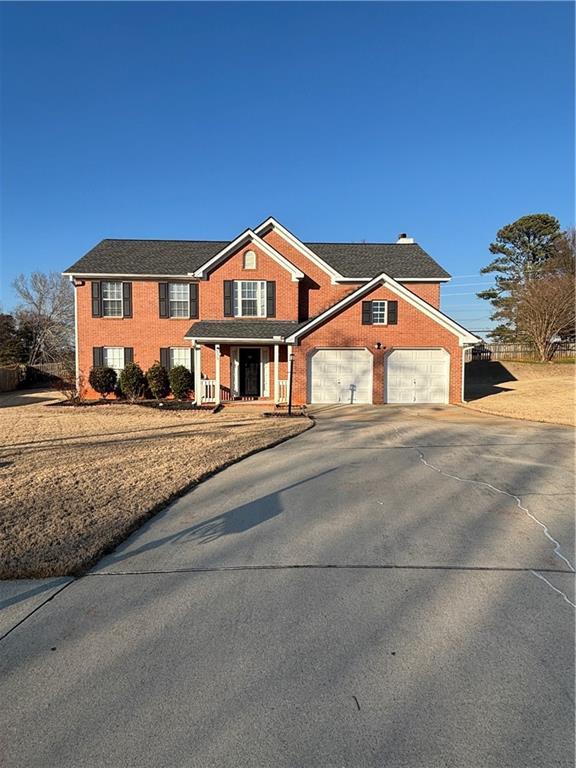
276,366
217,381
290,364
198,373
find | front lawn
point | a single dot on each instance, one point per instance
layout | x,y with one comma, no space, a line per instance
76,481
534,391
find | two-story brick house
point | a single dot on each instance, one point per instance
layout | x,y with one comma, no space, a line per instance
358,322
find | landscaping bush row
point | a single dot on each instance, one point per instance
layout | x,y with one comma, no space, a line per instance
134,384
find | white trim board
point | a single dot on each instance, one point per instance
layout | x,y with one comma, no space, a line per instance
248,237
272,224
103,275
464,336
230,340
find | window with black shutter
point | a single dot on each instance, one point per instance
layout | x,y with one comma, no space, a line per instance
228,296
127,299
163,299
96,299
98,357
193,300
271,298
366,313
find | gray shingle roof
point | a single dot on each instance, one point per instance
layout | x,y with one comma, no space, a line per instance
370,259
182,257
242,329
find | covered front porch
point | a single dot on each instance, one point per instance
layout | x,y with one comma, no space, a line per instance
225,372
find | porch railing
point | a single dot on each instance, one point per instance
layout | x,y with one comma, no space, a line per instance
283,390
208,391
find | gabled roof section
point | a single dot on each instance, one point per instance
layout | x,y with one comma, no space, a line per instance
404,261
345,262
464,336
342,262
247,237
271,224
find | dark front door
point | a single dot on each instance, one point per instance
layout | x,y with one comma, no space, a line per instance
249,372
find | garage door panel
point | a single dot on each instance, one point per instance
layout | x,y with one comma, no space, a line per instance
417,376
341,376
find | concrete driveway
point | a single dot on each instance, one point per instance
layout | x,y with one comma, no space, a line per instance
392,588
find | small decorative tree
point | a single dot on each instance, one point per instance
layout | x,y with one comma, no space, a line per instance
132,381
102,380
158,380
181,382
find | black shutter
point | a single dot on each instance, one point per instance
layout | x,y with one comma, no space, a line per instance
271,298
165,357
366,313
128,355
163,299
228,303
98,357
127,299
193,300
392,313
96,299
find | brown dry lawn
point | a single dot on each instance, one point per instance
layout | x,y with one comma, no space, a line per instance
74,482
533,391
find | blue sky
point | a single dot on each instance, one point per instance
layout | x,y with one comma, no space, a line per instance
346,121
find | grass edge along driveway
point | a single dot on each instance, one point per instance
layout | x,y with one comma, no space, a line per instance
75,482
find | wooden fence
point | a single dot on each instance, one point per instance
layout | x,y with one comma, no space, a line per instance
11,376
564,350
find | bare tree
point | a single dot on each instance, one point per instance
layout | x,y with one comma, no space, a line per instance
545,305
46,315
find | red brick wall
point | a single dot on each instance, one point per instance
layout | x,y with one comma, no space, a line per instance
430,292
414,329
146,332
212,290
316,292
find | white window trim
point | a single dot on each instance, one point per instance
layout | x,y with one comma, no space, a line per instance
105,301
380,322
187,300
253,259
189,364
260,298
107,364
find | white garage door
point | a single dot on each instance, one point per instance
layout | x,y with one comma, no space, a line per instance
418,376
341,376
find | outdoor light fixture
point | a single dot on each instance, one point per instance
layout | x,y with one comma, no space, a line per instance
378,345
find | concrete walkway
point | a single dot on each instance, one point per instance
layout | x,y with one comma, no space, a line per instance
378,591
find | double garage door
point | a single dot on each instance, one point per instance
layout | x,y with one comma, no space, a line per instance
412,376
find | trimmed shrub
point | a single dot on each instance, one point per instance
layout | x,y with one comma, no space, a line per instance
102,380
132,381
181,382
158,381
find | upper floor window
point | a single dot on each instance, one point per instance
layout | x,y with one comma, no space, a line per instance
250,298
379,312
179,299
112,300
249,260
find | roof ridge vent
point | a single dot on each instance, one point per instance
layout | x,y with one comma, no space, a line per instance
404,239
